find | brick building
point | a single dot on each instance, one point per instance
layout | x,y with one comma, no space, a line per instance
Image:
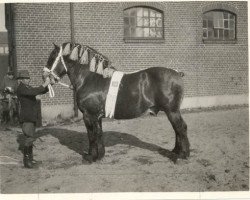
208,41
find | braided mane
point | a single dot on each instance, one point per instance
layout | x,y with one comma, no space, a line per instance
76,51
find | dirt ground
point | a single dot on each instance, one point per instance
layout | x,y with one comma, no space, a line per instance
136,156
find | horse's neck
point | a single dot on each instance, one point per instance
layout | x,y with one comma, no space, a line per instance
77,73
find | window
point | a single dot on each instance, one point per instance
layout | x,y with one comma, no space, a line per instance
1,50
6,49
143,23
219,25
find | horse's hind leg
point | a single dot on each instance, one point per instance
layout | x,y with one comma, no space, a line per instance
180,127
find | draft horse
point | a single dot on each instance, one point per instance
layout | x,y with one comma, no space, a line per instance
155,89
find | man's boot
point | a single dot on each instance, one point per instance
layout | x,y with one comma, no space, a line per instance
26,158
34,162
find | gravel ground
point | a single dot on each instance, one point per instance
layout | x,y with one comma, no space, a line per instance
219,158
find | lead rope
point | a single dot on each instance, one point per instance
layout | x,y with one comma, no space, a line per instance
51,91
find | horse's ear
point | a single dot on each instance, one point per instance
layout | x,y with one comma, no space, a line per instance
56,47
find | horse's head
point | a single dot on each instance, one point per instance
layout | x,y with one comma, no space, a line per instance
56,67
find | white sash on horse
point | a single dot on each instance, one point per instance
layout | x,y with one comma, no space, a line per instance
112,94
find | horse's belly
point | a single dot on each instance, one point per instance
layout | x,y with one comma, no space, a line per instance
130,109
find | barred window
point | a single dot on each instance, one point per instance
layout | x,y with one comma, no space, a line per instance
219,25
143,22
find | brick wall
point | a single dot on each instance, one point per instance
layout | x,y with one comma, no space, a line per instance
210,69
37,26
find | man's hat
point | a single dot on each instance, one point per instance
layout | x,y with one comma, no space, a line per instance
23,74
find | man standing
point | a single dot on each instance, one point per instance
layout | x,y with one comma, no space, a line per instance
8,97
29,113
9,83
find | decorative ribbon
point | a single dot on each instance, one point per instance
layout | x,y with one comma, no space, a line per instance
93,64
112,94
74,54
100,67
84,58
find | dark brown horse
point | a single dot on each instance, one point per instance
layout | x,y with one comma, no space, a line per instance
154,89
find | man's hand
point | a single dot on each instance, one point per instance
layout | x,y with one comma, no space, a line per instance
46,82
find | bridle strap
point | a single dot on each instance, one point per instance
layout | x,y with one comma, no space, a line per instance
51,71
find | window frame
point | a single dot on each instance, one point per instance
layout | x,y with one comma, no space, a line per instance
218,40
144,39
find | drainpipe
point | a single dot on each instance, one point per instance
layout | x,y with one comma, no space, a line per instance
9,23
72,31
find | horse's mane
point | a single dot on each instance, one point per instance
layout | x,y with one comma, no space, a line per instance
76,51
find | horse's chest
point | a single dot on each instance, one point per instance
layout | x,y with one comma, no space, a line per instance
90,102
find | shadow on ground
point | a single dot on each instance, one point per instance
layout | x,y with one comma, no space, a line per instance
78,141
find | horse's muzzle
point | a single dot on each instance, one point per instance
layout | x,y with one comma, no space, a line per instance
51,77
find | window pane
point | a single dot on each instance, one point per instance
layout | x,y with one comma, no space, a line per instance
158,32
158,14
205,33
226,24
218,16
133,12
152,32
216,33
225,14
145,12
159,22
146,22
231,16
139,21
210,34
231,34
231,25
210,24
139,12
221,23
139,32
152,22
146,32
220,34
152,13
132,22
1,50
226,34
7,50
126,21
133,32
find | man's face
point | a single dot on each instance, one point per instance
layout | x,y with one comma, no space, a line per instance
25,81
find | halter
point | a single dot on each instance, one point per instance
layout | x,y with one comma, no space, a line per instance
51,71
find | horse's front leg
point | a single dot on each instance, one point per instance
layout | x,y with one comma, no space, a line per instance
95,136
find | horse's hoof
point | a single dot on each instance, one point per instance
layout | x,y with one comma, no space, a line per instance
176,150
184,154
88,158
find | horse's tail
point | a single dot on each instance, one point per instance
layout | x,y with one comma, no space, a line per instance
181,74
